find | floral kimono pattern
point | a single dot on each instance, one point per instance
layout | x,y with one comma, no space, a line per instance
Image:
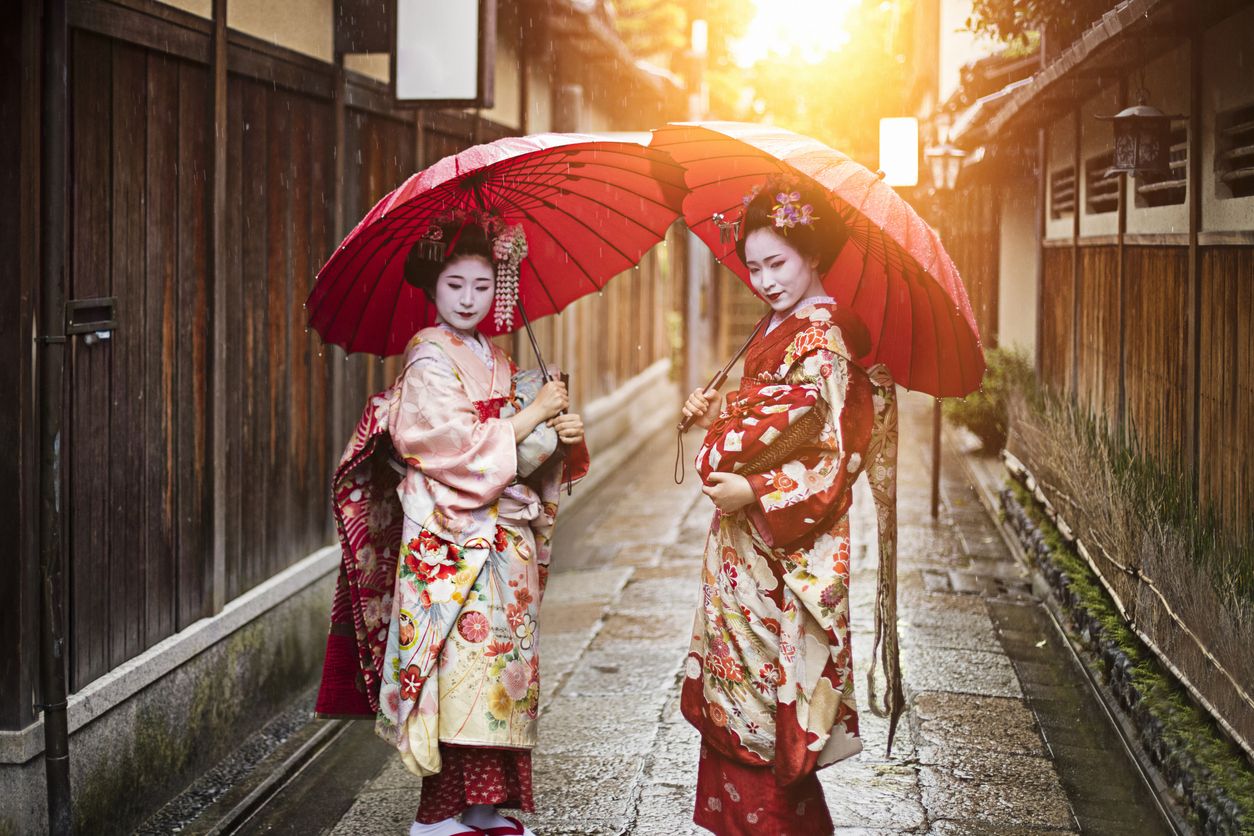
449,653
769,673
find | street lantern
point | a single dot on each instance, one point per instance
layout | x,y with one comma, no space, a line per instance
945,163
1142,139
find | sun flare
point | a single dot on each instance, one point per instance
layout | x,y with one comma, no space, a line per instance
810,28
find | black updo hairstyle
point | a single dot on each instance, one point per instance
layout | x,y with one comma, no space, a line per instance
822,239
468,239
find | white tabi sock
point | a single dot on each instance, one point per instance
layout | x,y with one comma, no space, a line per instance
448,827
484,816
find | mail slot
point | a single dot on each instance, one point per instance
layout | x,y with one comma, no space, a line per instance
91,316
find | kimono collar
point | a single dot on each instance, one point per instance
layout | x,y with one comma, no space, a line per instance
809,301
460,352
820,313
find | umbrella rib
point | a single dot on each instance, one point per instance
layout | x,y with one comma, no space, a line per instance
604,205
363,255
364,308
537,162
565,250
585,225
654,201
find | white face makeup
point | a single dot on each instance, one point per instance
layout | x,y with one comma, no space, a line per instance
464,292
778,272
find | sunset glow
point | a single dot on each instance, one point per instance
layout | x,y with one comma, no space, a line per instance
809,28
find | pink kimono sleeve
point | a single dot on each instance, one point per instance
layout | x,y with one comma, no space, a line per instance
467,461
801,496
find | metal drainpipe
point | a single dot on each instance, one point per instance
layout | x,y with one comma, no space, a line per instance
51,361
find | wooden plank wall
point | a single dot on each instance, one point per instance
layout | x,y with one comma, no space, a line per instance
1226,421
137,434
1154,334
138,440
279,151
19,474
1098,384
970,234
1057,293
1155,348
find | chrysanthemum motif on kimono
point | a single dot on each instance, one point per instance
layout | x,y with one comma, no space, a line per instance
453,652
769,675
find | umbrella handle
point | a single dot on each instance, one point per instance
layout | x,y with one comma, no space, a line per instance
716,382
719,379
535,344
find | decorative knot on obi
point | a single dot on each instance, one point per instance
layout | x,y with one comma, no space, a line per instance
491,408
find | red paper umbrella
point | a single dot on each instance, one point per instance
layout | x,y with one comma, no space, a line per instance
897,277
590,208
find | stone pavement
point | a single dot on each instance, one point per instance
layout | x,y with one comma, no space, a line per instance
615,755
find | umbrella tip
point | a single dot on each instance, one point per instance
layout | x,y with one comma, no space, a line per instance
880,174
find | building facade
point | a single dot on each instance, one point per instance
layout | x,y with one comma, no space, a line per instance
217,150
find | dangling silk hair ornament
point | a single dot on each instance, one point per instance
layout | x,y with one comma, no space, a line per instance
509,248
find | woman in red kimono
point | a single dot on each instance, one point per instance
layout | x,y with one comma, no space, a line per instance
769,676
446,508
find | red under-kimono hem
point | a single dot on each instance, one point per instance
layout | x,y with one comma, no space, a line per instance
476,775
734,799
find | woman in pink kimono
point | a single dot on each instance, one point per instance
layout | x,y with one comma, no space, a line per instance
446,501
769,676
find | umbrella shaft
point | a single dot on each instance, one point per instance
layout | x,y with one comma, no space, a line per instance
719,379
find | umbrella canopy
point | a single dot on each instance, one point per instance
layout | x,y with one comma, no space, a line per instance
897,277
589,206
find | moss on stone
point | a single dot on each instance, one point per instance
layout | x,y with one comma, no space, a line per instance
1218,772
254,671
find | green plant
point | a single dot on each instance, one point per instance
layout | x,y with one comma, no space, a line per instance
985,412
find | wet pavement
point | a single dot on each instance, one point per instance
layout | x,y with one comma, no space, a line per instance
1001,736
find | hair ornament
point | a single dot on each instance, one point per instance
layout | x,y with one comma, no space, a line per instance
509,248
788,211
728,231
431,245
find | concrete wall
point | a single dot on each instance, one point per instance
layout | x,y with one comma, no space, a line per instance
1095,140
304,26
142,732
1167,80
1227,67
1016,271
200,8
1060,139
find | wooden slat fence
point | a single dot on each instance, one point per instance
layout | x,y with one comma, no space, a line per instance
1098,369
1226,420
1057,328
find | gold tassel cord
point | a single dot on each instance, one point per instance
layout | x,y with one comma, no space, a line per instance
882,474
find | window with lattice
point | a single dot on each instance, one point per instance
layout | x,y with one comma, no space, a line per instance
1168,187
1062,193
1101,185
1234,157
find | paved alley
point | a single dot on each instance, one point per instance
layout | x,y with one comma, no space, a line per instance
976,753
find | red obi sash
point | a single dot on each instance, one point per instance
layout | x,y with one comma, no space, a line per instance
490,408
754,418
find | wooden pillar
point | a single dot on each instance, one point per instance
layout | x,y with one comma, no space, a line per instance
339,360
1193,369
1076,165
1120,272
1042,214
217,280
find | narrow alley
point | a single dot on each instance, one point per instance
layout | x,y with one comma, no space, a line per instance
1001,734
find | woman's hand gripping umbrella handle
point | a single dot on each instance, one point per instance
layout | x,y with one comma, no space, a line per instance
715,384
